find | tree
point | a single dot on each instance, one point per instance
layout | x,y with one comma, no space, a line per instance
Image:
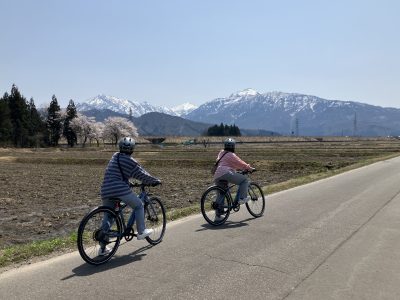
96,133
68,132
223,130
5,120
36,126
117,127
53,122
83,127
130,114
19,117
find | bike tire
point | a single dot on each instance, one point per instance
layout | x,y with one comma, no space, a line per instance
90,235
256,204
209,206
155,218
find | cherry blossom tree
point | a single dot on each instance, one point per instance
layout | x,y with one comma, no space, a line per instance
96,133
84,127
117,127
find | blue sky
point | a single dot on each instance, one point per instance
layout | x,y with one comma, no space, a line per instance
170,52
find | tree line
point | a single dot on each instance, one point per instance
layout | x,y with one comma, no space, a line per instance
223,130
21,124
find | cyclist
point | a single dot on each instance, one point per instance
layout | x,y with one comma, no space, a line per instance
228,164
120,168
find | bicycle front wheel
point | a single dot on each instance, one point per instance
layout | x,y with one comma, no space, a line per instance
256,204
156,219
215,205
99,235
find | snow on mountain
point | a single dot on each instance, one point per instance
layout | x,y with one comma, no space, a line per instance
278,111
184,109
120,105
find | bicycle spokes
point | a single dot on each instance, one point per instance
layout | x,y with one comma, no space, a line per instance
155,218
256,205
93,236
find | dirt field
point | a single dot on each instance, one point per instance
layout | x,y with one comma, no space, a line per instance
45,192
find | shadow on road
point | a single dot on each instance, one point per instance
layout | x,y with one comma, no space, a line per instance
87,270
227,225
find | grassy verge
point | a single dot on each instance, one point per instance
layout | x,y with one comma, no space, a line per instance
20,253
17,254
291,183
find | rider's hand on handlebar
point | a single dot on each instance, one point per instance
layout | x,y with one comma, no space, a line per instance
251,170
155,183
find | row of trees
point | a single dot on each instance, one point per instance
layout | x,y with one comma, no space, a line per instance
21,124
223,130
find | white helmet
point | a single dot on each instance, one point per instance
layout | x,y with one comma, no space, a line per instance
229,144
126,145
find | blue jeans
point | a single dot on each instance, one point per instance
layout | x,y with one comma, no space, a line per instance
232,177
137,205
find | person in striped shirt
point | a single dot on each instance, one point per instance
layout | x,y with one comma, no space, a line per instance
228,164
120,168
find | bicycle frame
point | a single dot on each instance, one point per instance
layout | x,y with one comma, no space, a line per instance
119,208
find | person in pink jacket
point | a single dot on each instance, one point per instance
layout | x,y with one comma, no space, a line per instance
228,164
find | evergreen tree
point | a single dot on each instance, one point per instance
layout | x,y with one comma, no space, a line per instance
5,120
36,127
68,132
223,130
53,122
130,114
19,117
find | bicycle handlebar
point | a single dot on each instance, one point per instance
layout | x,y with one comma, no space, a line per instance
142,185
244,172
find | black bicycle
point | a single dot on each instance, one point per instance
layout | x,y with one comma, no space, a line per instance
93,234
217,202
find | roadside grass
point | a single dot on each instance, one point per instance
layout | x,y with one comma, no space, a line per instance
23,253
291,183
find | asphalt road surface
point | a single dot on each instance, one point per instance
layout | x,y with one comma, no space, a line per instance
337,238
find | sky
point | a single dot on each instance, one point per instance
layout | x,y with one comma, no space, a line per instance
171,52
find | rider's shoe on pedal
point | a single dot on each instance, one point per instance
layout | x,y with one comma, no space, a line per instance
218,218
104,251
145,233
244,200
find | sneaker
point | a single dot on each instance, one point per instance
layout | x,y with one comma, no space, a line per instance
145,233
218,218
104,251
243,201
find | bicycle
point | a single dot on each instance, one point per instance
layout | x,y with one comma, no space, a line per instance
92,232
218,198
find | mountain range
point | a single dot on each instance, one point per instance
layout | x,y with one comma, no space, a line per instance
128,107
278,112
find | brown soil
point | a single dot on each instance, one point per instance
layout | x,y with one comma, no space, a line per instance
44,193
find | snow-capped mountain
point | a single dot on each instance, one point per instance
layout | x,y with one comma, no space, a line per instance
184,109
291,113
123,106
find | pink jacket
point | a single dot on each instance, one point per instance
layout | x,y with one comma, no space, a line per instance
230,162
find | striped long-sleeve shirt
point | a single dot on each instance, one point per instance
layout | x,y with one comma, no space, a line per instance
116,185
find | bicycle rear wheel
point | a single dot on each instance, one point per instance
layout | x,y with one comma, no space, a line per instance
155,218
98,229
256,204
215,205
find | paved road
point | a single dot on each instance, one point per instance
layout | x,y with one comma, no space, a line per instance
337,238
